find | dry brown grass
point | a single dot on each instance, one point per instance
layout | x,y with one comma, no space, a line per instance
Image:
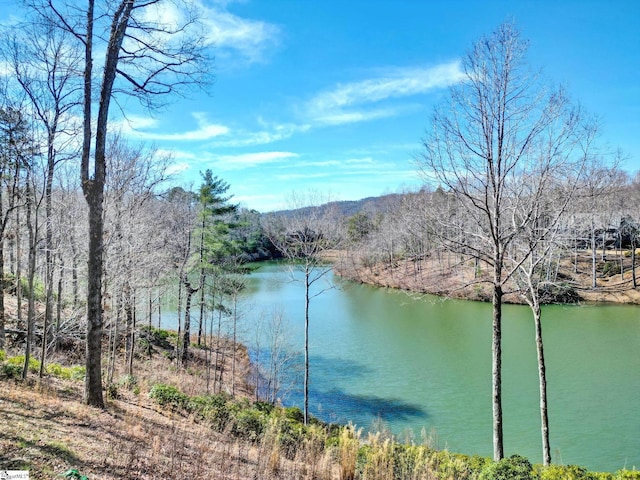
46,429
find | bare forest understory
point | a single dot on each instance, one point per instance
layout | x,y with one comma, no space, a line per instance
48,430
455,277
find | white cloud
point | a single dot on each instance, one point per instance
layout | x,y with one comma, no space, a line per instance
135,126
245,160
231,34
356,101
177,168
301,176
270,134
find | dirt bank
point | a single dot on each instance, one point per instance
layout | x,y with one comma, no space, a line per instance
461,278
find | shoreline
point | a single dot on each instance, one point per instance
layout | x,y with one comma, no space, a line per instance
462,281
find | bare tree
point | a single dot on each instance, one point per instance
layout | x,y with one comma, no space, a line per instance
151,58
45,66
539,240
276,365
491,134
13,140
133,243
304,235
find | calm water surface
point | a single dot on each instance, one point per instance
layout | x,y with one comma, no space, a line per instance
414,363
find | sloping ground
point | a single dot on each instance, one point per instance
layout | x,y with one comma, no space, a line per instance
46,429
458,278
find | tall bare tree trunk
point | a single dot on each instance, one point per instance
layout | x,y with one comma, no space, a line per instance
32,230
48,245
186,339
93,188
307,286
544,417
594,282
496,368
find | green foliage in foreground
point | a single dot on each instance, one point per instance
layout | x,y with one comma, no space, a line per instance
372,457
74,474
12,368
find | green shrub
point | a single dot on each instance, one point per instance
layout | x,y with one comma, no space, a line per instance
168,395
78,372
74,474
55,369
18,360
627,475
264,407
513,468
68,373
112,391
38,289
249,424
154,336
291,433
454,465
11,371
128,381
217,410
410,461
3,355
294,413
569,472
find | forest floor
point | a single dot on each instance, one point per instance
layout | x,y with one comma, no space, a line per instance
45,427
461,278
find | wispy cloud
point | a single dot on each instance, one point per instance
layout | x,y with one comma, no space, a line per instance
269,133
360,101
232,35
141,128
246,160
301,176
178,168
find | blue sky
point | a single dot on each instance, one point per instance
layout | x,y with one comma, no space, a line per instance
333,96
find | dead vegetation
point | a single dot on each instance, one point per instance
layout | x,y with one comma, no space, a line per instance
48,430
454,276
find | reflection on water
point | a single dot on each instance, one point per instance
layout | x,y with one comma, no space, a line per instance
426,363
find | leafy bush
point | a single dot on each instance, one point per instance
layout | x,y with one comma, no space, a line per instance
74,474
3,355
249,424
56,370
294,413
570,472
215,409
68,373
128,381
112,391
11,371
78,372
513,468
291,433
627,475
38,289
18,360
155,336
168,395
455,465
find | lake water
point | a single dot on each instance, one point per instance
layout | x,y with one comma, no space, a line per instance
413,363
